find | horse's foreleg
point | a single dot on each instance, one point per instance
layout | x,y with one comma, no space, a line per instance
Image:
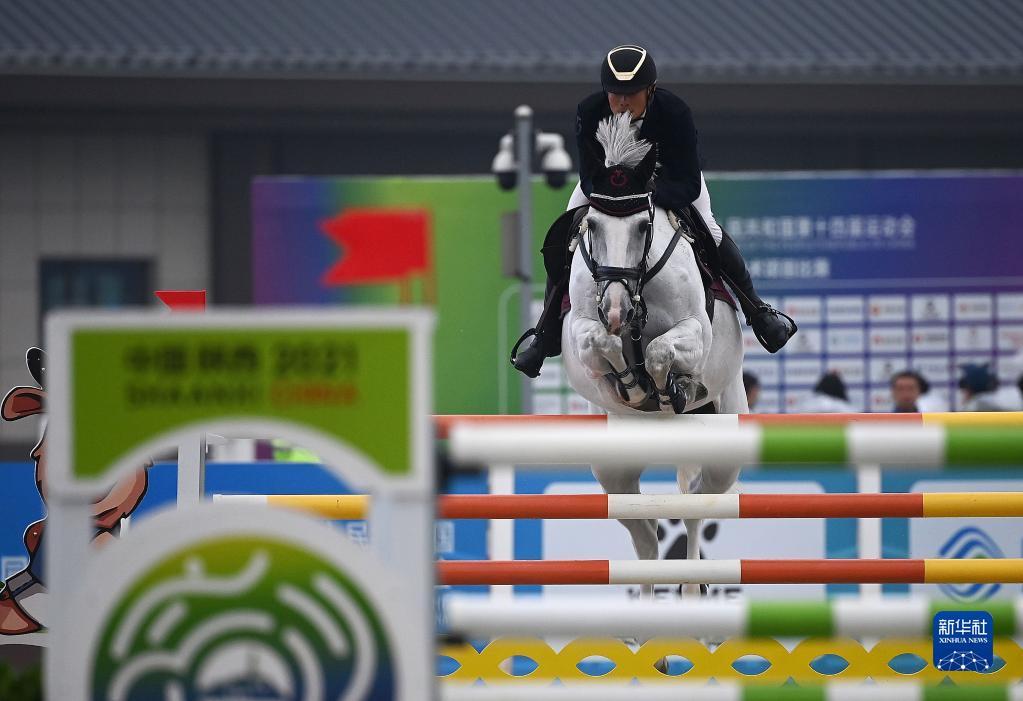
599,353
681,349
712,480
689,478
643,532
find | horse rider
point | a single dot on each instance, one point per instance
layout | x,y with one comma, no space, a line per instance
628,77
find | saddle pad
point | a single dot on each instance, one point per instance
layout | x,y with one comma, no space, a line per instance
719,291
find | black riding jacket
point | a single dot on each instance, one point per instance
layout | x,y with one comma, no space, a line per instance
669,124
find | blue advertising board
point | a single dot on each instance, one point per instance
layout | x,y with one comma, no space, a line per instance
882,272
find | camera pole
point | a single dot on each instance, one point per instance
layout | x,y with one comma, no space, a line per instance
524,158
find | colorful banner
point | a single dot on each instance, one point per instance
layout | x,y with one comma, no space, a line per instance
882,272
295,244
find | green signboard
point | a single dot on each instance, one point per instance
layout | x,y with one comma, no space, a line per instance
128,388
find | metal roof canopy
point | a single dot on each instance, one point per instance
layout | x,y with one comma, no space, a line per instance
718,41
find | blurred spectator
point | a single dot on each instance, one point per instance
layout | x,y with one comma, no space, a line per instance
752,384
911,392
979,386
907,387
829,396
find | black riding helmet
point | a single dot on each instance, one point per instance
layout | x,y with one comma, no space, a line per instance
627,69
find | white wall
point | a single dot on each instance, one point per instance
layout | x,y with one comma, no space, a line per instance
101,195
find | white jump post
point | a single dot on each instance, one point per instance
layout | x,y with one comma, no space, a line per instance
868,530
191,471
501,531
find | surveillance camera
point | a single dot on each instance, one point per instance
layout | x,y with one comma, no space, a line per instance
504,165
556,179
507,181
556,165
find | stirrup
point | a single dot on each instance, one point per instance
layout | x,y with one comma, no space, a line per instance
772,346
522,338
531,359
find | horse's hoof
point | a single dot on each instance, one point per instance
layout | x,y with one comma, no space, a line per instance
694,388
679,400
677,394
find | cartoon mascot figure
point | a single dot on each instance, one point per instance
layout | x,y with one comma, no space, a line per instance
23,597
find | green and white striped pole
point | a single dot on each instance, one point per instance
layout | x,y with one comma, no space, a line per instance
646,442
475,616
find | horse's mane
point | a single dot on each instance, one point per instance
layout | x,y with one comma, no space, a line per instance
621,147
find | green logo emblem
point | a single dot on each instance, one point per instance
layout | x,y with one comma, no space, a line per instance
242,618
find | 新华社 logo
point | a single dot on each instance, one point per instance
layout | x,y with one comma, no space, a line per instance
963,641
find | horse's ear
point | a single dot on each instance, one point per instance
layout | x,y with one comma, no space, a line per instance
645,169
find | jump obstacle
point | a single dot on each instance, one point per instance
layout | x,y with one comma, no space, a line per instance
904,617
904,440
582,662
835,691
819,440
902,571
568,664
444,423
745,653
657,442
640,506
646,442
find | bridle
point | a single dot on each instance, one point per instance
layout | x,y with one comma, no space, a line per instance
634,279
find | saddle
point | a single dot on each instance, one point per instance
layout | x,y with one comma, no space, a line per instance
706,254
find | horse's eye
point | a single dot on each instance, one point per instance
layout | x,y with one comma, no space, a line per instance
644,227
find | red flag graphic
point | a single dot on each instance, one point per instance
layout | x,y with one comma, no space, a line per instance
378,245
183,300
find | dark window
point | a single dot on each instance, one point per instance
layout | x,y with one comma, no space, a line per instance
105,284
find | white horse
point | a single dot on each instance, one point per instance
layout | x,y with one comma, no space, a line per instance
615,301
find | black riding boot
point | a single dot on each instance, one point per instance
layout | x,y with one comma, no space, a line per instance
546,341
771,327
557,261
